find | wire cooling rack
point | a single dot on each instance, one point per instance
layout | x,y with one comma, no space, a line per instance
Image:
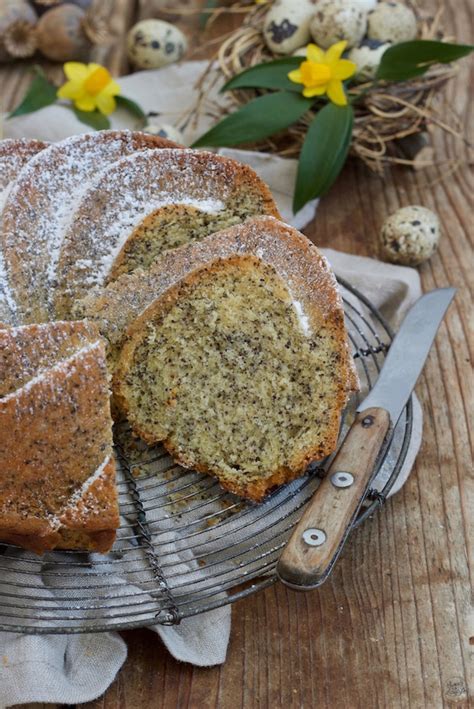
184,545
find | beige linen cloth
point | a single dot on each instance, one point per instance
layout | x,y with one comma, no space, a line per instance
78,668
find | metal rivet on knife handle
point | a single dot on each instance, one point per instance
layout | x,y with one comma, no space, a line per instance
306,561
342,479
314,537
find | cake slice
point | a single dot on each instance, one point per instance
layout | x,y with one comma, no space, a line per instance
147,204
14,154
57,471
42,201
241,366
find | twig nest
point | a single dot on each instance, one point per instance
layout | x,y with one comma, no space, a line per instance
13,11
61,35
392,22
286,25
336,20
367,57
165,130
152,44
410,235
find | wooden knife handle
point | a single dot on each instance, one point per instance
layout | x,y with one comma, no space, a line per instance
319,536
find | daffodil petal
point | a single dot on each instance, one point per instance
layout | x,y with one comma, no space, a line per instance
335,52
336,93
314,54
70,90
105,104
295,76
86,103
112,89
93,67
75,71
315,91
343,69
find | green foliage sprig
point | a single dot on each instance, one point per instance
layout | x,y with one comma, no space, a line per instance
328,138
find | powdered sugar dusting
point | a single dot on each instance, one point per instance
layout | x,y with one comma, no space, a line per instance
7,301
302,318
303,268
79,494
62,366
41,203
134,187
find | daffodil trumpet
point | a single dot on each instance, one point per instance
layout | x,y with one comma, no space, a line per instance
90,87
322,72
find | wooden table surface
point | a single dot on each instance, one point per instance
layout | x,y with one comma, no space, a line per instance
390,627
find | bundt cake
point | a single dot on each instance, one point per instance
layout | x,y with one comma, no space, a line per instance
13,156
57,471
241,364
42,201
149,203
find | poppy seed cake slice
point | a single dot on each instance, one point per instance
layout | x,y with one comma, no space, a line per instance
242,366
147,204
40,204
14,154
57,471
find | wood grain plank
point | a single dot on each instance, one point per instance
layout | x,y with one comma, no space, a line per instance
390,628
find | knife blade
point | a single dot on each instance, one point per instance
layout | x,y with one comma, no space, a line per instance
318,538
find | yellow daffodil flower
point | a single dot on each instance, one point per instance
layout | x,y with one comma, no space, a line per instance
90,87
323,73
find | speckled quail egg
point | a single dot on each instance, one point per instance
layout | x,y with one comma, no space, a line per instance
154,43
335,20
165,130
365,5
367,57
410,235
392,22
300,52
286,25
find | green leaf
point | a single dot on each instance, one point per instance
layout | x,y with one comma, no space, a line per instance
95,119
409,59
204,16
40,94
324,152
270,75
258,119
131,106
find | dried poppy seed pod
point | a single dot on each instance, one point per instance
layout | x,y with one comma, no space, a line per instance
61,35
13,11
19,39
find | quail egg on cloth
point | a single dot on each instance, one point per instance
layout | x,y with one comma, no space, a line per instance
367,57
410,235
152,44
336,20
392,22
165,130
286,25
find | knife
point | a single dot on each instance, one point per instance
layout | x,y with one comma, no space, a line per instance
317,540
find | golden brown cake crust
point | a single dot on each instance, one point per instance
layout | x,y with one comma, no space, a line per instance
57,471
113,210
14,153
296,259
42,199
310,281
